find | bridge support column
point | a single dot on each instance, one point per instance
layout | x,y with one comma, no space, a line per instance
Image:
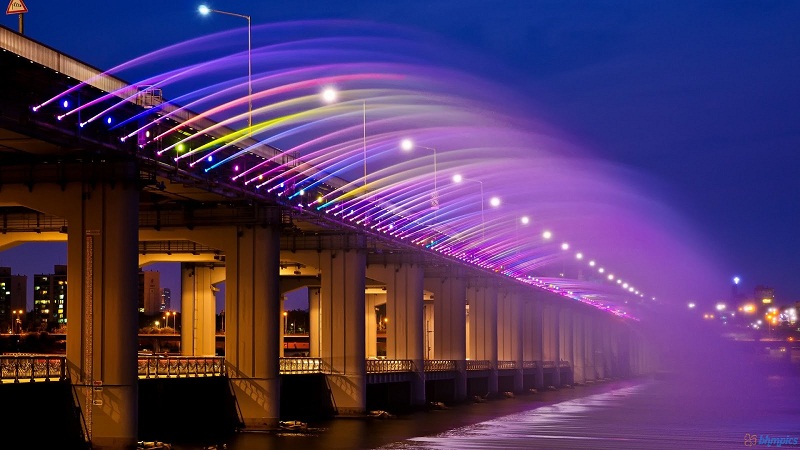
533,344
253,323
550,336
579,349
404,332
198,305
510,335
371,323
342,345
314,322
483,328
102,216
450,324
565,327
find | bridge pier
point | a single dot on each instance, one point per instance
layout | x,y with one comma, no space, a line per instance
482,300
338,321
510,346
579,348
450,323
198,304
404,306
550,339
102,217
567,352
532,343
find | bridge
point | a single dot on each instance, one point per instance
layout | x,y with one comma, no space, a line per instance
454,311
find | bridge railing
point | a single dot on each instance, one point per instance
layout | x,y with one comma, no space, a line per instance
506,365
180,366
563,364
293,365
17,368
530,364
479,364
548,364
439,365
389,365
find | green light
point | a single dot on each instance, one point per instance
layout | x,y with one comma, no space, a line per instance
180,148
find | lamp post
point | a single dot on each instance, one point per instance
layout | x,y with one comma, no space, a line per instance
494,201
205,10
330,95
408,145
16,324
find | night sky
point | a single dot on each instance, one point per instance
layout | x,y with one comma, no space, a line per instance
700,99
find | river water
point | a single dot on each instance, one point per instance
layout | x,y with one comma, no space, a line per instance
723,409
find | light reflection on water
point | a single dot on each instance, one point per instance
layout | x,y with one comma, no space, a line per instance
677,412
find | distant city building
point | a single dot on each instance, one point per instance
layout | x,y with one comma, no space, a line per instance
764,295
150,292
50,299
166,299
13,295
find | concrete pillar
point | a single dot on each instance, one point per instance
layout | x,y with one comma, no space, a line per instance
404,332
483,328
342,327
102,285
450,324
428,328
371,323
590,369
510,335
314,322
533,341
198,305
579,348
565,342
550,336
253,323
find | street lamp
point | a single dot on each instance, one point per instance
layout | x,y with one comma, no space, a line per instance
330,95
408,145
495,201
16,324
205,10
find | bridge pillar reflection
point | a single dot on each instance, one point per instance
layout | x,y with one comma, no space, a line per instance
482,300
198,305
450,323
404,305
102,217
510,335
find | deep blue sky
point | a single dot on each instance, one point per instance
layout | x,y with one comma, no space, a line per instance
701,97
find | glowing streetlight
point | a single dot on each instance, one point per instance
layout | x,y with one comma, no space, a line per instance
524,220
565,246
330,95
547,235
408,145
205,10
457,178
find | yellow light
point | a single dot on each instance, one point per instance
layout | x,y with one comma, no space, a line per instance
766,301
750,308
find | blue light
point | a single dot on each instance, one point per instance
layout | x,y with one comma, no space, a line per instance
108,120
210,158
65,104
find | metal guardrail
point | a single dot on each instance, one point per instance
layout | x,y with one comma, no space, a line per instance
479,364
506,365
389,365
530,364
30,368
301,366
440,365
548,364
563,364
180,366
